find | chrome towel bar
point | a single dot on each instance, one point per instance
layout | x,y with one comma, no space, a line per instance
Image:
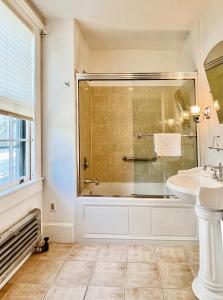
140,135
127,158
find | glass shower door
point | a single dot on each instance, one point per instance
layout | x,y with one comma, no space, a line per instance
162,106
117,123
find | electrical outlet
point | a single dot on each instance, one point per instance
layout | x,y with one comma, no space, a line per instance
52,206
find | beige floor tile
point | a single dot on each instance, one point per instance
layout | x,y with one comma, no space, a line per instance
195,269
192,252
142,275
143,294
23,291
113,253
5,289
56,252
173,294
108,274
176,275
65,292
104,293
37,271
171,255
141,254
84,252
75,272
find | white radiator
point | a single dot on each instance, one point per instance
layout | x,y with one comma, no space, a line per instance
18,241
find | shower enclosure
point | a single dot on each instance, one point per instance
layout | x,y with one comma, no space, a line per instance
118,115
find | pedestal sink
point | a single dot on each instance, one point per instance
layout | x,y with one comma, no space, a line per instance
197,187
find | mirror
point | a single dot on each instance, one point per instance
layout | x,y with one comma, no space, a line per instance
214,70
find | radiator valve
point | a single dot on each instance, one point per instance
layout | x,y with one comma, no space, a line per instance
43,245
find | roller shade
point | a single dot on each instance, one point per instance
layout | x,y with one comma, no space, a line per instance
16,66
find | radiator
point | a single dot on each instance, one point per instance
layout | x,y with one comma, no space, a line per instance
19,241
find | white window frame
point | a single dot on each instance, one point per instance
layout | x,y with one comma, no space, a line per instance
36,22
11,140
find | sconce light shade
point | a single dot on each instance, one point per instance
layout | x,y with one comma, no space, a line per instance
185,115
171,122
217,106
195,110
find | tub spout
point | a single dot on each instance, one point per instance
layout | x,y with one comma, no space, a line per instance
87,181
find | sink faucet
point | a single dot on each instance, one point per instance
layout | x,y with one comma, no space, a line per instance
218,171
86,181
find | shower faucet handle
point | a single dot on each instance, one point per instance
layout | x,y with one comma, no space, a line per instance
85,164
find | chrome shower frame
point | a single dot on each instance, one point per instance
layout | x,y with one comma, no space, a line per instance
124,77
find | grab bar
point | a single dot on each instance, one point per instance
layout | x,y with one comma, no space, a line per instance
139,135
127,158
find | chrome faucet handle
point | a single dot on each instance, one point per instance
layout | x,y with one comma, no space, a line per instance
87,181
215,174
220,172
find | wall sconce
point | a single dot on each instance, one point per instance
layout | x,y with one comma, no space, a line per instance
197,113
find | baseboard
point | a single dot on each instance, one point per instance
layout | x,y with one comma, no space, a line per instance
59,232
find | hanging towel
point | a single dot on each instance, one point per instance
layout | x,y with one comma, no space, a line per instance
167,144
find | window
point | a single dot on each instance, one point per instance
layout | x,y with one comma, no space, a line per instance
17,62
14,151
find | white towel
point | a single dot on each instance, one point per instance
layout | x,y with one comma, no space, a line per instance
167,144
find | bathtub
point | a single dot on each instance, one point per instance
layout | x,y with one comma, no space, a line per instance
133,211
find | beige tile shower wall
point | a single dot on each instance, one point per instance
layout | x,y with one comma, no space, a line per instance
152,107
85,130
118,113
112,134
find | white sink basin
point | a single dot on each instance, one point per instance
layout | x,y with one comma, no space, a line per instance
196,186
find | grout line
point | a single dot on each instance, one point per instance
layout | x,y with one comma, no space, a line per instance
47,290
85,294
93,268
159,268
59,269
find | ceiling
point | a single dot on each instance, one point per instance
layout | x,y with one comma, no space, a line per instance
129,24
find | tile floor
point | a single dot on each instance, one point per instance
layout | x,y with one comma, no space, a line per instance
106,272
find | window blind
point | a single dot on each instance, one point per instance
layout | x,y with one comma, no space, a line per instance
16,66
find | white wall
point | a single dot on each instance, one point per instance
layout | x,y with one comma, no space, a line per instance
14,205
211,33
59,129
81,51
191,50
115,61
205,34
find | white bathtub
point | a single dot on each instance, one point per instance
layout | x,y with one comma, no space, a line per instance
155,216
